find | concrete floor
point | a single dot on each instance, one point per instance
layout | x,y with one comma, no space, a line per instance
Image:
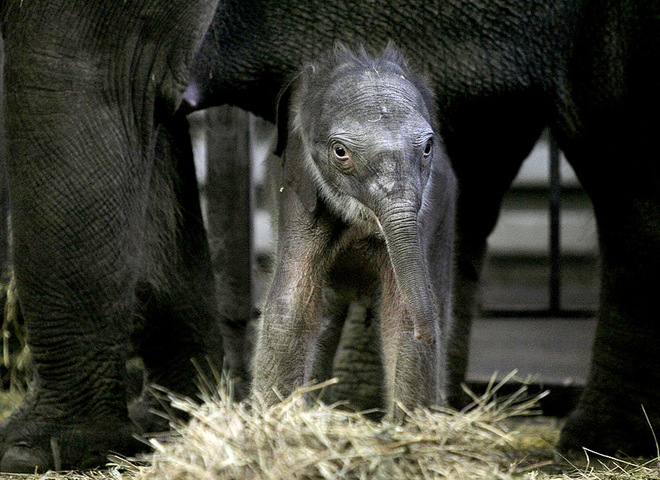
552,351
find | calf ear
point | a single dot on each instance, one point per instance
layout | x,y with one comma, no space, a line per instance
282,119
297,171
290,146
283,109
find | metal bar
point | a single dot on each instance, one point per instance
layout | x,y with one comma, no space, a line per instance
555,227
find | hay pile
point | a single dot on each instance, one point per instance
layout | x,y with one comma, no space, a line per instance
225,440
229,441
15,364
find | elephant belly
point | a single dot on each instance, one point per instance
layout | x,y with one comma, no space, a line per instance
355,272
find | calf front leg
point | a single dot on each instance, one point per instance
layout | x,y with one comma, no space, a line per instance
292,320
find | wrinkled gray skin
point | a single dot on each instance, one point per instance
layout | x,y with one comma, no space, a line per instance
365,209
90,89
502,71
4,201
110,254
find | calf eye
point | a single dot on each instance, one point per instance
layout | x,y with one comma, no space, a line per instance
428,148
343,159
426,153
340,152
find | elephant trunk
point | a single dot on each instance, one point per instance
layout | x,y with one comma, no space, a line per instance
399,226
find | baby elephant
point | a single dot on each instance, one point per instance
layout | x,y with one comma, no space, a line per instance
365,212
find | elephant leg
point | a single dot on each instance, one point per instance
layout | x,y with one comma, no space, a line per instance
410,364
624,379
230,234
484,170
358,363
84,85
478,208
4,192
76,258
292,318
176,309
335,310
507,131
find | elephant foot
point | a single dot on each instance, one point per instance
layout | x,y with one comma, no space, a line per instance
625,434
29,446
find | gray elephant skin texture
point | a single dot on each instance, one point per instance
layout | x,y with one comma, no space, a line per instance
365,210
90,91
109,250
501,72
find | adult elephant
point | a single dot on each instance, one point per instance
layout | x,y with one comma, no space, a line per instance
503,71
93,81
109,248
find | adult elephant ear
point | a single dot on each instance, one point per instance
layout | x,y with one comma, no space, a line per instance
291,149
